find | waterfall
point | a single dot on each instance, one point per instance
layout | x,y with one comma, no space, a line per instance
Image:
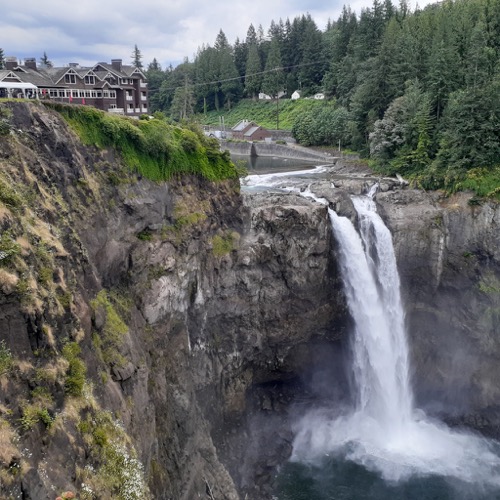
384,432
372,288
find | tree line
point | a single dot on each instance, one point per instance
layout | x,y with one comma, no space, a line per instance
418,92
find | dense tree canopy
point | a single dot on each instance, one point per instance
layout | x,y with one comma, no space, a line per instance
418,91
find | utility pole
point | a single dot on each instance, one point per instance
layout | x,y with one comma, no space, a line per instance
277,112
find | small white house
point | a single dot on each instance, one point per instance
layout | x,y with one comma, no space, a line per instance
295,95
263,96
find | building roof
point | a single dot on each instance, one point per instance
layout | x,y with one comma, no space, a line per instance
251,131
7,73
242,125
55,74
35,77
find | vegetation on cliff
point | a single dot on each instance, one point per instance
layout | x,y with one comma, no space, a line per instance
153,148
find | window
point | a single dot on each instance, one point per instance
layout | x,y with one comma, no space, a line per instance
87,93
130,107
112,106
70,78
62,93
99,93
53,93
90,80
112,94
105,94
93,93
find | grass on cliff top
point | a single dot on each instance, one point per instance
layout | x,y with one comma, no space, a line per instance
264,112
153,148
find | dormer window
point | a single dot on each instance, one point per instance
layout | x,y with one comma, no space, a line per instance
70,78
90,80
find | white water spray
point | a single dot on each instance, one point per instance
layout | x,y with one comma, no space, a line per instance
384,432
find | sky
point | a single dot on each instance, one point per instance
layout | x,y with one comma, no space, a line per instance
90,31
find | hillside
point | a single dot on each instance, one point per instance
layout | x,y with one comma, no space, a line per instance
263,112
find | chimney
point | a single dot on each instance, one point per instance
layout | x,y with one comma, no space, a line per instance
30,62
116,64
10,62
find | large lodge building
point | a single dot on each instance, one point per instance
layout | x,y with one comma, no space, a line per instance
111,87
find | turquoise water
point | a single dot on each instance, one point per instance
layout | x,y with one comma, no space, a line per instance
338,479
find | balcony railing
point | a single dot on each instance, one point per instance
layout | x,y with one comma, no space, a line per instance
144,84
130,98
118,111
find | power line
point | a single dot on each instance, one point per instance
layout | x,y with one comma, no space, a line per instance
279,68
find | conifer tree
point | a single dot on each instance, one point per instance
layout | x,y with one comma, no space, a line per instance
45,61
136,57
253,78
274,79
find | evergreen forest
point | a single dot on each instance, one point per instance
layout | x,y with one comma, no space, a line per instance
417,92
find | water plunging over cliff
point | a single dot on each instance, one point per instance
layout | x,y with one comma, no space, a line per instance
384,433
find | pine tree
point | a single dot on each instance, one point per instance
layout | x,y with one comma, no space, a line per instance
313,61
274,79
154,65
183,101
240,56
45,61
253,78
136,57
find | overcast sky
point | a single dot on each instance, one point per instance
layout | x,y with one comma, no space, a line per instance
88,31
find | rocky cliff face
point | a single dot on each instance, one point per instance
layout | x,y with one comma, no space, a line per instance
172,308
154,338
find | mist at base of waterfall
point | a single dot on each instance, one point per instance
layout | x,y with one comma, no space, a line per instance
400,450
337,478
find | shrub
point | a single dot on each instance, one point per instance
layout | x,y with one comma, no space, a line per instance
75,374
31,414
6,361
8,196
119,475
8,281
110,338
222,245
8,248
